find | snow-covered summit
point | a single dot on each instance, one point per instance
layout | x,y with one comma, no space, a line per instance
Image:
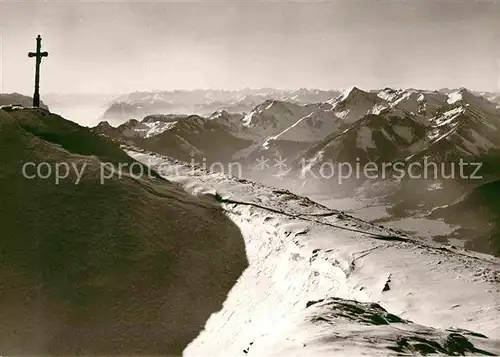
272,117
467,98
351,93
353,104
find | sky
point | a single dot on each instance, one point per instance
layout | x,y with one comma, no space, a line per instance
119,47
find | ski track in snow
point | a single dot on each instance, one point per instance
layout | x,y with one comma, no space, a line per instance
300,251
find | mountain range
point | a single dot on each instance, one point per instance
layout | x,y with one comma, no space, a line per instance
203,102
408,125
388,125
384,127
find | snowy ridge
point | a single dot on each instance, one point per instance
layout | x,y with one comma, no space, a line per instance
150,129
151,126
470,127
416,102
300,252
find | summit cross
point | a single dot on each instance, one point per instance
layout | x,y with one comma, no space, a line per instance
38,55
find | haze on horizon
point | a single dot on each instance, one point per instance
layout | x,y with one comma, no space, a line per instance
119,47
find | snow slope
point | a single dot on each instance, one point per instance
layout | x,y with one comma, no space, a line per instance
313,127
273,116
300,251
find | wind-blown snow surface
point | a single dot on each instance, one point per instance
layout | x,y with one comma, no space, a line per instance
299,251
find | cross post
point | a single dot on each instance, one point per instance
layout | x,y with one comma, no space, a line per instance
38,55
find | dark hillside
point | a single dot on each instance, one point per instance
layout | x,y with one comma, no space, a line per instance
132,266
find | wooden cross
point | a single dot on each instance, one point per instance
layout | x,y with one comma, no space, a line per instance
38,54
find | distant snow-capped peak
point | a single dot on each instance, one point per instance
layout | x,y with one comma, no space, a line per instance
354,103
349,94
458,95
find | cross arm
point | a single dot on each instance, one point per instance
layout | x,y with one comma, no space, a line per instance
40,54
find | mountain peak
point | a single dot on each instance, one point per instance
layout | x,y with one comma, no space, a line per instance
465,91
131,122
219,113
389,90
104,124
460,94
269,102
351,92
165,118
